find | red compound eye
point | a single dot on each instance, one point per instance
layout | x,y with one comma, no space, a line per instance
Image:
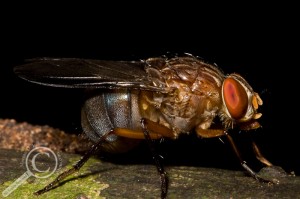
235,97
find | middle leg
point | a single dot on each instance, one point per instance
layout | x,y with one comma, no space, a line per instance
163,174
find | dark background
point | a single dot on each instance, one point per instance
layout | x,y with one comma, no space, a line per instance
263,49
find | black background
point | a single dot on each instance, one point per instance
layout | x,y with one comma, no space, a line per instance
261,46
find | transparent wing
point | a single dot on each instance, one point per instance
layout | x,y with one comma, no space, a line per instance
85,73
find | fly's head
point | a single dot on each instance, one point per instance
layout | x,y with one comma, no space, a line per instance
240,103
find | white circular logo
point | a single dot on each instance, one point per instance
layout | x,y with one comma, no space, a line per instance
41,170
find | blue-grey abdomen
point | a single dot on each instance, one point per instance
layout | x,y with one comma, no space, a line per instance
105,110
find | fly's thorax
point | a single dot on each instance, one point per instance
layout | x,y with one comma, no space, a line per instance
240,103
193,96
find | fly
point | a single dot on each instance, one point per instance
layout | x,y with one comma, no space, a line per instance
128,101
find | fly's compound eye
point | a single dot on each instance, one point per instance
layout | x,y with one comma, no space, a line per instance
235,97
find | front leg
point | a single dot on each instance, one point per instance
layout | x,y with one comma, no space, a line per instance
211,133
259,155
243,162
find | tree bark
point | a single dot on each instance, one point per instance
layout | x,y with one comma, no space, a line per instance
98,178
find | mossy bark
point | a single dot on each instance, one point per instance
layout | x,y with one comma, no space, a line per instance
104,179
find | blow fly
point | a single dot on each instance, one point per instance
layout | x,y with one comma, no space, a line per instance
128,101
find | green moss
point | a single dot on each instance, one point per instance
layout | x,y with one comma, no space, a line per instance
82,183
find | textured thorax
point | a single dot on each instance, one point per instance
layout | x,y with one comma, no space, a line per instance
193,95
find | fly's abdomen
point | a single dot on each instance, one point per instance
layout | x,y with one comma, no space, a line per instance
105,110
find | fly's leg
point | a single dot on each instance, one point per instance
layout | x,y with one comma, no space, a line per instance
243,163
211,133
156,158
259,155
76,167
162,132
157,131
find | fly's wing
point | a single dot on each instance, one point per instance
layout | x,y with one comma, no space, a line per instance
86,73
